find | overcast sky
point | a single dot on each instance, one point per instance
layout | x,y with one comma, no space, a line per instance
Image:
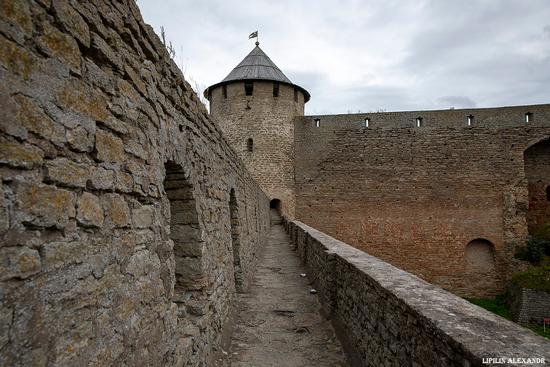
356,55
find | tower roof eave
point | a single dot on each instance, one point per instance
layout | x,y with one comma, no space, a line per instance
307,96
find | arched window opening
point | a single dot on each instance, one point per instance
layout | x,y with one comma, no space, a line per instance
185,232
419,121
470,120
224,91
367,122
250,145
275,89
528,117
317,122
248,88
235,240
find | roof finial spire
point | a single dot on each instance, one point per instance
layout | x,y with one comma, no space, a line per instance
257,43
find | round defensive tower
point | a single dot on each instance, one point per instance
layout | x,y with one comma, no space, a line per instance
256,105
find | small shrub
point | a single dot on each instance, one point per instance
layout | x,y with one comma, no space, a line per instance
536,247
538,277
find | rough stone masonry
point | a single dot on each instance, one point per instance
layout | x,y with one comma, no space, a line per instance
126,220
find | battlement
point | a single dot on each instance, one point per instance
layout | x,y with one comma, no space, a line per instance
492,118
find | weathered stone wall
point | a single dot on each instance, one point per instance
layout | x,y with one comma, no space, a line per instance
116,240
388,317
417,196
269,122
529,306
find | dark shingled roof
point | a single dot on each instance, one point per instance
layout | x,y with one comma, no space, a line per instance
257,66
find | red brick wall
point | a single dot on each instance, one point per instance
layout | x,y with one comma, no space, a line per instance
537,172
415,197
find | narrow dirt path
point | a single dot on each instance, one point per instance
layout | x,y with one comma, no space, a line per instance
278,321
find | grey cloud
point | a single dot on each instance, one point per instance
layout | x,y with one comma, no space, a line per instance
369,55
456,101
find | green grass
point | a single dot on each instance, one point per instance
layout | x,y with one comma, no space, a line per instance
498,306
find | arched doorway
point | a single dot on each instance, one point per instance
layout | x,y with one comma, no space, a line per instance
479,266
536,161
275,209
275,204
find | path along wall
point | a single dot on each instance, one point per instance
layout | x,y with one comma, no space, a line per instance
388,317
126,221
444,200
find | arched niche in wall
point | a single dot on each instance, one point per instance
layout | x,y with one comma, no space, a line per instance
536,161
479,266
479,256
236,240
186,233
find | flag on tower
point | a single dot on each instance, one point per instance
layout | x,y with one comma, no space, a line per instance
253,34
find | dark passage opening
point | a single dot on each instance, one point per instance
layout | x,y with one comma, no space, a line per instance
235,240
275,204
185,232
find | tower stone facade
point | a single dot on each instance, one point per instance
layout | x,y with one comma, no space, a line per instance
256,105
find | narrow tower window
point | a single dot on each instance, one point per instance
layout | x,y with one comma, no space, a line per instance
275,89
295,95
419,121
250,145
528,117
224,91
548,192
248,88
470,120
367,121
317,122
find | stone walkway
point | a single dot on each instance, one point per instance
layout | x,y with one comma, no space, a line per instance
278,321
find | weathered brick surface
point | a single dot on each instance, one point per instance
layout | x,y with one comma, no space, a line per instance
416,196
388,317
92,109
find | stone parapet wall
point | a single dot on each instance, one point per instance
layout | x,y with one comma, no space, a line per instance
529,306
388,317
99,265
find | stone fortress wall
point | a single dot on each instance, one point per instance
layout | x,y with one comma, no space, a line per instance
446,201
269,122
128,223
126,220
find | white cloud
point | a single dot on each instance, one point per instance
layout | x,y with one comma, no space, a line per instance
367,55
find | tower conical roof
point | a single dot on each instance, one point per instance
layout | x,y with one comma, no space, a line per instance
257,66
